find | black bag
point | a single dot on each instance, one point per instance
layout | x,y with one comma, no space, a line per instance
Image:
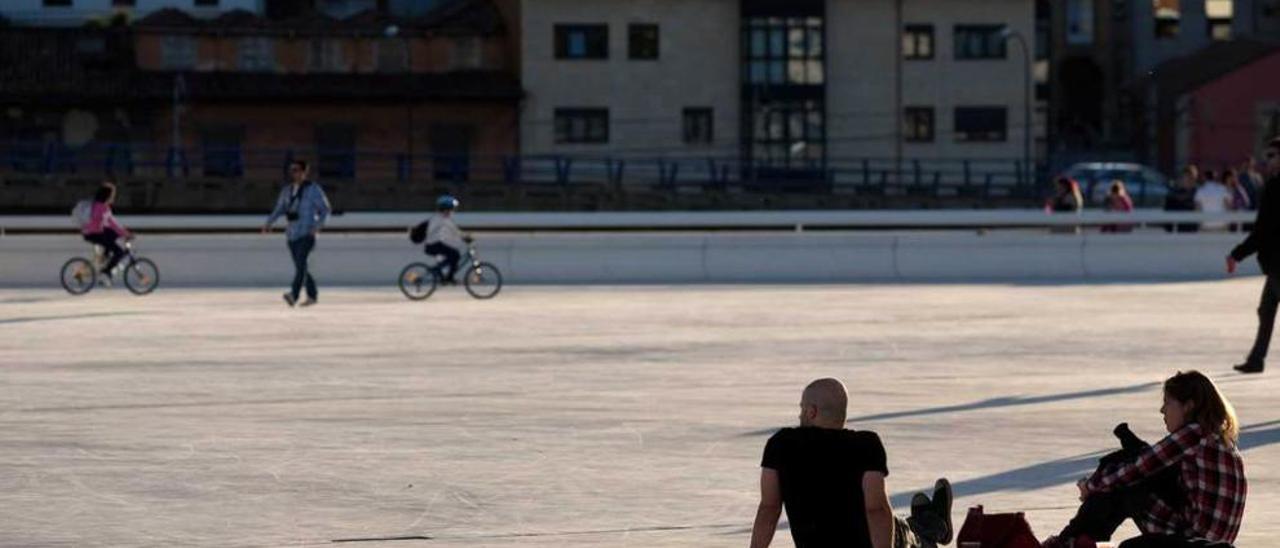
418,234
291,209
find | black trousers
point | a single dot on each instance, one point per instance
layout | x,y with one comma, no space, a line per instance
107,239
1266,320
300,250
1170,541
451,257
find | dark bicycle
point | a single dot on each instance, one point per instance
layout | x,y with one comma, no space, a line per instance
481,279
141,276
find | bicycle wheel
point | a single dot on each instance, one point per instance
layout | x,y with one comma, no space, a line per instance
78,276
141,276
417,282
483,281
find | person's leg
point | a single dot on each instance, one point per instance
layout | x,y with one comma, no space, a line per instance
309,245
299,268
1171,541
1102,513
108,240
1266,321
451,259
905,536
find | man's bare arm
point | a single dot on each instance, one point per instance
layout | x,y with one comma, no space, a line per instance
879,511
769,510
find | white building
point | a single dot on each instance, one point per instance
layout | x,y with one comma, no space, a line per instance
77,12
775,83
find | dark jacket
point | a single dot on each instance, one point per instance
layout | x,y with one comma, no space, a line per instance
1264,239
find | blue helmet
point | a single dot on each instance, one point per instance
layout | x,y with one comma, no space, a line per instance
447,202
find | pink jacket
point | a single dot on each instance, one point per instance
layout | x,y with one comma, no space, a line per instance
100,218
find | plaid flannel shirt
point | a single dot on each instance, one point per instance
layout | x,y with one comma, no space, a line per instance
1212,477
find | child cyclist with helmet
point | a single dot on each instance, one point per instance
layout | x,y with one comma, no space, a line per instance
445,239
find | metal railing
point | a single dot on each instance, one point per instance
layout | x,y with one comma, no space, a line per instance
934,177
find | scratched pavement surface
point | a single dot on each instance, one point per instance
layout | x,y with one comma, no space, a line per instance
576,416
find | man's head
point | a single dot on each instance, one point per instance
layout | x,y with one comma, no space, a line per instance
298,171
824,404
1271,158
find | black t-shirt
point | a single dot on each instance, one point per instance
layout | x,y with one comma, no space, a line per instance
820,471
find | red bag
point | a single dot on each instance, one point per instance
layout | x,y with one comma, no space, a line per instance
995,531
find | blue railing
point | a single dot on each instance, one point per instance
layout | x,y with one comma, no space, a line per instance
961,177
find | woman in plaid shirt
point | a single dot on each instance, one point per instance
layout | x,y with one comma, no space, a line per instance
1187,490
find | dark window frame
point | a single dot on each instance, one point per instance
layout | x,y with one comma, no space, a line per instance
563,125
996,48
770,51
690,118
595,36
640,50
336,162
917,34
124,3
206,3
962,135
57,3
912,117
222,150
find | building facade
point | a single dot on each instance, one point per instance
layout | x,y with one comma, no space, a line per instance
779,86
78,12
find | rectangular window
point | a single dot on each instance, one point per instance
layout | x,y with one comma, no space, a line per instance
642,42
1080,22
918,125
1220,13
326,56
582,41
223,155
206,3
785,51
582,125
393,55
699,125
178,52
917,42
124,3
1168,17
257,54
56,3
336,151
981,124
467,54
979,42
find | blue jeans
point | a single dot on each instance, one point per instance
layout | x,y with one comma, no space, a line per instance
300,249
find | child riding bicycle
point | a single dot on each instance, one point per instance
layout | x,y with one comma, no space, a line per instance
445,239
99,226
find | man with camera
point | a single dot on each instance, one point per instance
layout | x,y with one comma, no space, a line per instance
305,206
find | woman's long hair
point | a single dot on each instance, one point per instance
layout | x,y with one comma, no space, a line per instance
1210,409
105,192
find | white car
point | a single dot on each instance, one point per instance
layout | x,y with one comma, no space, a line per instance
1146,186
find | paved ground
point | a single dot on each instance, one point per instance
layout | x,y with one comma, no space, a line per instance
574,416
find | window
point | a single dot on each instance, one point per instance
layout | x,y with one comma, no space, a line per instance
336,151
917,42
981,124
979,42
785,50
582,41
257,54
642,41
1168,16
1080,22
393,55
467,53
1220,13
206,3
699,125
222,151
56,3
326,56
582,125
124,3
178,52
918,125
788,133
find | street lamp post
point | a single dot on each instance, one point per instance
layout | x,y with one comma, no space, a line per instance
1010,34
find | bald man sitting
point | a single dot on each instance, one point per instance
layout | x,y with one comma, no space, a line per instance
831,481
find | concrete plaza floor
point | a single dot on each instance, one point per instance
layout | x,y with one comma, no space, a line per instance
576,416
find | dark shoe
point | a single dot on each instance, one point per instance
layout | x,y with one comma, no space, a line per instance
941,507
290,300
308,302
1249,367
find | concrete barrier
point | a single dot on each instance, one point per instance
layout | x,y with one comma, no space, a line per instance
668,258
